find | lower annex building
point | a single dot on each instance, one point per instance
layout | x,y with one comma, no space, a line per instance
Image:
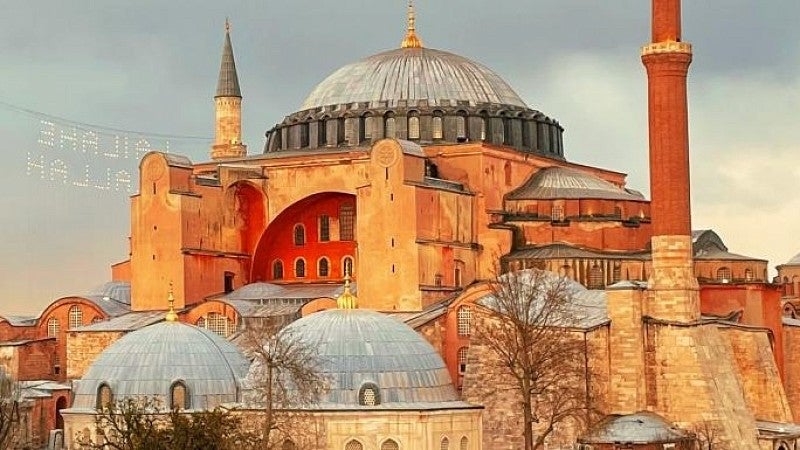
420,173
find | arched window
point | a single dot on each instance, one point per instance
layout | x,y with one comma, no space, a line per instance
483,128
75,316
347,219
390,444
53,327
201,322
322,132
390,126
507,173
288,444
219,323
354,445
369,395
300,268
277,270
304,128
178,396
323,267
461,126
464,316
464,443
596,280
462,360
413,126
104,396
445,445
56,364
526,133
324,228
748,274
617,274
347,266
457,278
351,130
299,234
506,130
437,125
366,128
724,274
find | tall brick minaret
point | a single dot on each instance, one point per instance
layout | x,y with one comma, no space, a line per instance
673,286
228,107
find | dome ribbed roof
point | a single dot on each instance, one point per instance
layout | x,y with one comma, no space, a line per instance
146,362
794,261
566,183
412,74
360,346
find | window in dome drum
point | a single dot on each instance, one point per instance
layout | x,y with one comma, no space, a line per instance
437,125
413,127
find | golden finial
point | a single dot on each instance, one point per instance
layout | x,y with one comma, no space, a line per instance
347,300
227,25
411,40
172,316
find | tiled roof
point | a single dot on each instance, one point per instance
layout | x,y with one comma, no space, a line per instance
553,183
228,83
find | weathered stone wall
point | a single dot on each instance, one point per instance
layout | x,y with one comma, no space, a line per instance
84,346
758,373
692,378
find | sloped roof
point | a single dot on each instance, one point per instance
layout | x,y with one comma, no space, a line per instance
228,83
556,182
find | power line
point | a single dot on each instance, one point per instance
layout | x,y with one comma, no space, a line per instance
88,126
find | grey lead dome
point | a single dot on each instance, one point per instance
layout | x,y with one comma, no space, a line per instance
356,347
413,74
148,361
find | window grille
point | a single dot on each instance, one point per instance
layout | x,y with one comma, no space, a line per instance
323,267
462,360
464,321
56,364
724,274
596,277
219,324
461,128
299,234
300,268
347,215
277,270
389,444
350,130
324,228
464,443
354,445
201,322
483,129
369,395
617,274
75,316
558,213
391,127
748,274
367,128
445,445
53,327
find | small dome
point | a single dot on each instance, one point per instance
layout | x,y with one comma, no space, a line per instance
360,348
565,183
794,261
413,74
147,362
119,291
639,428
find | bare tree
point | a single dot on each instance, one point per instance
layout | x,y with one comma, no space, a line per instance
528,324
284,378
708,436
9,412
126,424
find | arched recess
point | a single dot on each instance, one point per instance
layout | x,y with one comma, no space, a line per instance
248,213
61,403
277,242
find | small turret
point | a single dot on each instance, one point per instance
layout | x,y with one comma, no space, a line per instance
228,107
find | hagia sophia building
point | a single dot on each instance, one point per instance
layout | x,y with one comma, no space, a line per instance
421,175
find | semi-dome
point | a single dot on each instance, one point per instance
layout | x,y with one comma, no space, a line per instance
408,75
151,361
362,350
565,183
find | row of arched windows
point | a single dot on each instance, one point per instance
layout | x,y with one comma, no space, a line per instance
391,444
300,269
346,227
75,318
178,396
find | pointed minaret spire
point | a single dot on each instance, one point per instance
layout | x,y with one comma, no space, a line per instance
411,40
228,106
228,84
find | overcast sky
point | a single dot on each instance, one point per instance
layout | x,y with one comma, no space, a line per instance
152,66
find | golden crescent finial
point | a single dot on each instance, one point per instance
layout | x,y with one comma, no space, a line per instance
347,300
411,40
172,316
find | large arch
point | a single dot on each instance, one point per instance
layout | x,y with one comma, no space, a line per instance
333,212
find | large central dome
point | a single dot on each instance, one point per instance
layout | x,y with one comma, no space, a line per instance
410,75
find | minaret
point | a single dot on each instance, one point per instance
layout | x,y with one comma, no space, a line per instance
672,283
228,107
411,40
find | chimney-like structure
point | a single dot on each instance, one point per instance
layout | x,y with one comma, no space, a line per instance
673,286
228,107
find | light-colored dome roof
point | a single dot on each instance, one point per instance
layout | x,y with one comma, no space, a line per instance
639,428
794,261
412,74
567,183
146,363
357,347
